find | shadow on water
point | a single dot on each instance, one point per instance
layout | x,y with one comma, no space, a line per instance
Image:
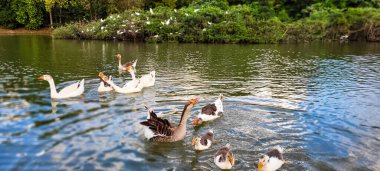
319,101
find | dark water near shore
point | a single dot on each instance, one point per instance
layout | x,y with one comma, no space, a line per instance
319,101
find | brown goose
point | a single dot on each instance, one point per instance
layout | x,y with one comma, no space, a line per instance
128,66
163,131
224,158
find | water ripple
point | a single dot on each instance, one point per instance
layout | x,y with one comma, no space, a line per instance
319,104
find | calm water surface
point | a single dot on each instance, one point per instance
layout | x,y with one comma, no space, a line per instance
321,102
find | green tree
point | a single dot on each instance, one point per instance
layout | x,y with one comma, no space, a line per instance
29,12
7,15
266,9
156,3
293,7
183,3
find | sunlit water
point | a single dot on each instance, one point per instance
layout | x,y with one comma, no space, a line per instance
319,101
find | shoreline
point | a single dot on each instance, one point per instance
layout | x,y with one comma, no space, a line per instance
24,31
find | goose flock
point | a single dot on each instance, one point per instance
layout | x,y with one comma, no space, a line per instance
161,130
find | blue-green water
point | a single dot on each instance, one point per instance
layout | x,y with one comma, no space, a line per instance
319,101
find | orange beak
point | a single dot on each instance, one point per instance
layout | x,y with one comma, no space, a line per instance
194,101
41,77
194,141
231,159
260,166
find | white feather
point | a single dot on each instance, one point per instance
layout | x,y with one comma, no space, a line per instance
103,88
148,80
219,109
147,132
205,117
222,165
199,146
273,164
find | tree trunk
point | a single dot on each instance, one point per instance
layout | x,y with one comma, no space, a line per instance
51,19
92,17
60,15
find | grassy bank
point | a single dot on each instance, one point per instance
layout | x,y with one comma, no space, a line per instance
43,31
216,23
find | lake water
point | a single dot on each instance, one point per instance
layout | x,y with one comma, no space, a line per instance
319,101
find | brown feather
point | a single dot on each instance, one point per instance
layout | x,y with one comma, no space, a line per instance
275,153
158,125
208,136
209,109
223,151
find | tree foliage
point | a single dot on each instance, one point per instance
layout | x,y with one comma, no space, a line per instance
225,21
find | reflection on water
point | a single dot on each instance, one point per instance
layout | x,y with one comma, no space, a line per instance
319,101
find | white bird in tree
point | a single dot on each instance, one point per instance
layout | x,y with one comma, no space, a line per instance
151,11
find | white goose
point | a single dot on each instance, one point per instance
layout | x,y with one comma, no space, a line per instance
72,90
146,80
204,142
135,81
104,86
130,88
272,160
210,111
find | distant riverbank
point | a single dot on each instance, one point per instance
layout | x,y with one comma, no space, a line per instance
236,24
42,31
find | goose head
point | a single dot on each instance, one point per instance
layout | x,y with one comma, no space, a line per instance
189,105
263,161
194,141
192,101
118,56
103,77
45,77
221,97
198,121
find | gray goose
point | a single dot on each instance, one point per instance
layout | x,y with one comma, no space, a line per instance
163,131
210,112
224,158
204,142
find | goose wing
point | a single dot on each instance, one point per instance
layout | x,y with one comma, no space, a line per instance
71,88
209,109
132,84
159,126
207,136
132,63
275,153
223,153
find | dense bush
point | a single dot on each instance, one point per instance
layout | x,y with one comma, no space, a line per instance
216,22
